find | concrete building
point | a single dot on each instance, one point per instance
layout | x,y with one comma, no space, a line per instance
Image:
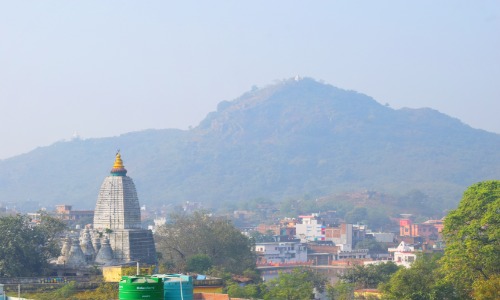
341,236
65,212
382,237
281,252
311,229
403,254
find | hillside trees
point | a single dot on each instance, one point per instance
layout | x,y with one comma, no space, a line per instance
472,234
25,247
188,238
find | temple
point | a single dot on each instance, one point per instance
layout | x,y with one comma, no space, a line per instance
117,216
116,236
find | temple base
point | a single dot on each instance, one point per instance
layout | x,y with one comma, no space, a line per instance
133,245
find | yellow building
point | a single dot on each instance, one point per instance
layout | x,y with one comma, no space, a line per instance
115,273
208,285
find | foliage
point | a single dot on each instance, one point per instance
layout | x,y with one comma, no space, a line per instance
286,140
340,291
106,291
369,276
487,289
201,234
65,292
419,282
357,215
262,238
290,286
199,263
27,247
472,234
250,291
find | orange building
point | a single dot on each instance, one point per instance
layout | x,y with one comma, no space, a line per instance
430,229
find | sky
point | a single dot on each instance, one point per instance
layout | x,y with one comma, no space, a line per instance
104,68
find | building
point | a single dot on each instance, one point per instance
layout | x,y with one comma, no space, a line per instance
65,212
311,229
382,237
429,231
403,254
341,236
281,253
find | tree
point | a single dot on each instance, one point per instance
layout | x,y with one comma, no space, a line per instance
419,282
249,291
370,276
26,247
199,263
472,235
200,233
340,291
292,286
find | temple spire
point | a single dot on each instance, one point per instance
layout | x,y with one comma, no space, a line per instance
118,167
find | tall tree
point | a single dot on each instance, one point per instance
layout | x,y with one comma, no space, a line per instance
26,247
293,286
472,234
415,283
187,236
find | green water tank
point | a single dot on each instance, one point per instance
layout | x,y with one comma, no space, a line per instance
140,287
177,286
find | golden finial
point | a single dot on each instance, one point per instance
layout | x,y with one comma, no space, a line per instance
118,161
118,167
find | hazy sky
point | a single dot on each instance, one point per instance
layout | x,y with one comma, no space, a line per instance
104,68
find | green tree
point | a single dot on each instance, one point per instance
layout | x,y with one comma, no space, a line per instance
200,233
250,291
417,282
370,276
26,247
199,263
340,291
290,286
472,235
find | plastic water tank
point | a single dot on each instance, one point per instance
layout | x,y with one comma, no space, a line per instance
177,286
140,287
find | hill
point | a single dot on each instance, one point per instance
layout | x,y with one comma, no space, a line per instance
293,138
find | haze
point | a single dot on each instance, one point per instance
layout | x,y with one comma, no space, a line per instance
103,68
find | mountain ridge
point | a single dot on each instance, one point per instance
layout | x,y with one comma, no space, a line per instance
289,139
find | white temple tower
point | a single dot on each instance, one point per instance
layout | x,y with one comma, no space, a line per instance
118,214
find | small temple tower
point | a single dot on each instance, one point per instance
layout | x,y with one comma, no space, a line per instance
118,214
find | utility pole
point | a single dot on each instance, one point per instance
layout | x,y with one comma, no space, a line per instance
19,291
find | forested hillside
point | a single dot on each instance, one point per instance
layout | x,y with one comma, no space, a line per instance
286,140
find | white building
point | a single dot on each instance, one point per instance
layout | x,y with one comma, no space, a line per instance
404,255
281,252
311,229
